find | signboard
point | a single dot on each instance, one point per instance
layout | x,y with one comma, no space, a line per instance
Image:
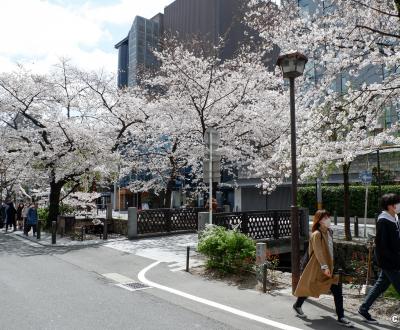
366,177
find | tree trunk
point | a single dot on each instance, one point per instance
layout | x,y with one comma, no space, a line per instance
346,203
54,200
168,193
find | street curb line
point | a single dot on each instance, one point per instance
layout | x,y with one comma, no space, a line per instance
24,238
143,279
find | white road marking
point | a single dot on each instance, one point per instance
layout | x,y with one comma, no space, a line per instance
121,279
143,279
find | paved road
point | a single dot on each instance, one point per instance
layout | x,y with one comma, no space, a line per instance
76,288
46,291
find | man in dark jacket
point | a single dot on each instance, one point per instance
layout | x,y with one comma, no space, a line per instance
11,214
387,252
2,214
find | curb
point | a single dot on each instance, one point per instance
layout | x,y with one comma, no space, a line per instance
48,244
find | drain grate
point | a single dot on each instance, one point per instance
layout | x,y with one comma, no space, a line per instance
134,286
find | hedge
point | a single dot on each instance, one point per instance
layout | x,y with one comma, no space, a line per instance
332,199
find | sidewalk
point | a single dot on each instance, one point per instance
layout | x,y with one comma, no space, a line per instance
276,306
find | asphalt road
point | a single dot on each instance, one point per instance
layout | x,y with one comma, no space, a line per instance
44,287
40,288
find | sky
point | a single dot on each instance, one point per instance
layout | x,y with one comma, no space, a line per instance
37,33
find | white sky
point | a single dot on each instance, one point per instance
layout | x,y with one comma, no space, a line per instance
38,32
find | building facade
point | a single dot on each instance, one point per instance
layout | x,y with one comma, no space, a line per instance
135,52
209,21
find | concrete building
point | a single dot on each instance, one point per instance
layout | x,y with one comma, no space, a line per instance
135,52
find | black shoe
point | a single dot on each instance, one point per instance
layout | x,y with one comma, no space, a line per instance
346,323
299,311
367,317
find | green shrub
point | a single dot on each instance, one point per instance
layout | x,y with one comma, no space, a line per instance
227,251
332,199
392,293
43,213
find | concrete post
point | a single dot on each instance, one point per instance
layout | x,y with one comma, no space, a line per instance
109,211
132,223
261,253
202,220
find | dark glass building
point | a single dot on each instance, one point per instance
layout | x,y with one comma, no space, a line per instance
206,20
209,21
135,52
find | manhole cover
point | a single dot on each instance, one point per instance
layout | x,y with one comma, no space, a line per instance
134,286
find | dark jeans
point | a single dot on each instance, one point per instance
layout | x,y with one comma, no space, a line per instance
336,290
28,228
12,224
381,285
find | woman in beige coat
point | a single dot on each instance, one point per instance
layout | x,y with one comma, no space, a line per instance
317,277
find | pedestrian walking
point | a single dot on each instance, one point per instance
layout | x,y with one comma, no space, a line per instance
214,204
11,215
24,216
2,214
387,253
20,209
317,277
32,219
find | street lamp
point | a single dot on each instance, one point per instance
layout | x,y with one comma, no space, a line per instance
292,65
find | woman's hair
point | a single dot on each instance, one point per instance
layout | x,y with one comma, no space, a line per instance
389,199
318,216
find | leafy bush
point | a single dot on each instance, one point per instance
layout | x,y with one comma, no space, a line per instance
332,199
66,209
359,266
43,213
392,293
227,251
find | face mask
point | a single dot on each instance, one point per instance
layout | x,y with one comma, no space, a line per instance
397,206
326,222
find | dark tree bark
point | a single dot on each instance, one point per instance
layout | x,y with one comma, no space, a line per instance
54,200
346,203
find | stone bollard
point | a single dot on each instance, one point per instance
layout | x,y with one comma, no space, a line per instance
202,220
132,223
356,232
261,253
261,264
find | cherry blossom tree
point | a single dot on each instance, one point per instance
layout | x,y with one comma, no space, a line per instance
50,130
351,80
192,91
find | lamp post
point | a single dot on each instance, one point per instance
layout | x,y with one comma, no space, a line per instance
292,65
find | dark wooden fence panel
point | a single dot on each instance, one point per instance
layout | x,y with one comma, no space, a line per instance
271,224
